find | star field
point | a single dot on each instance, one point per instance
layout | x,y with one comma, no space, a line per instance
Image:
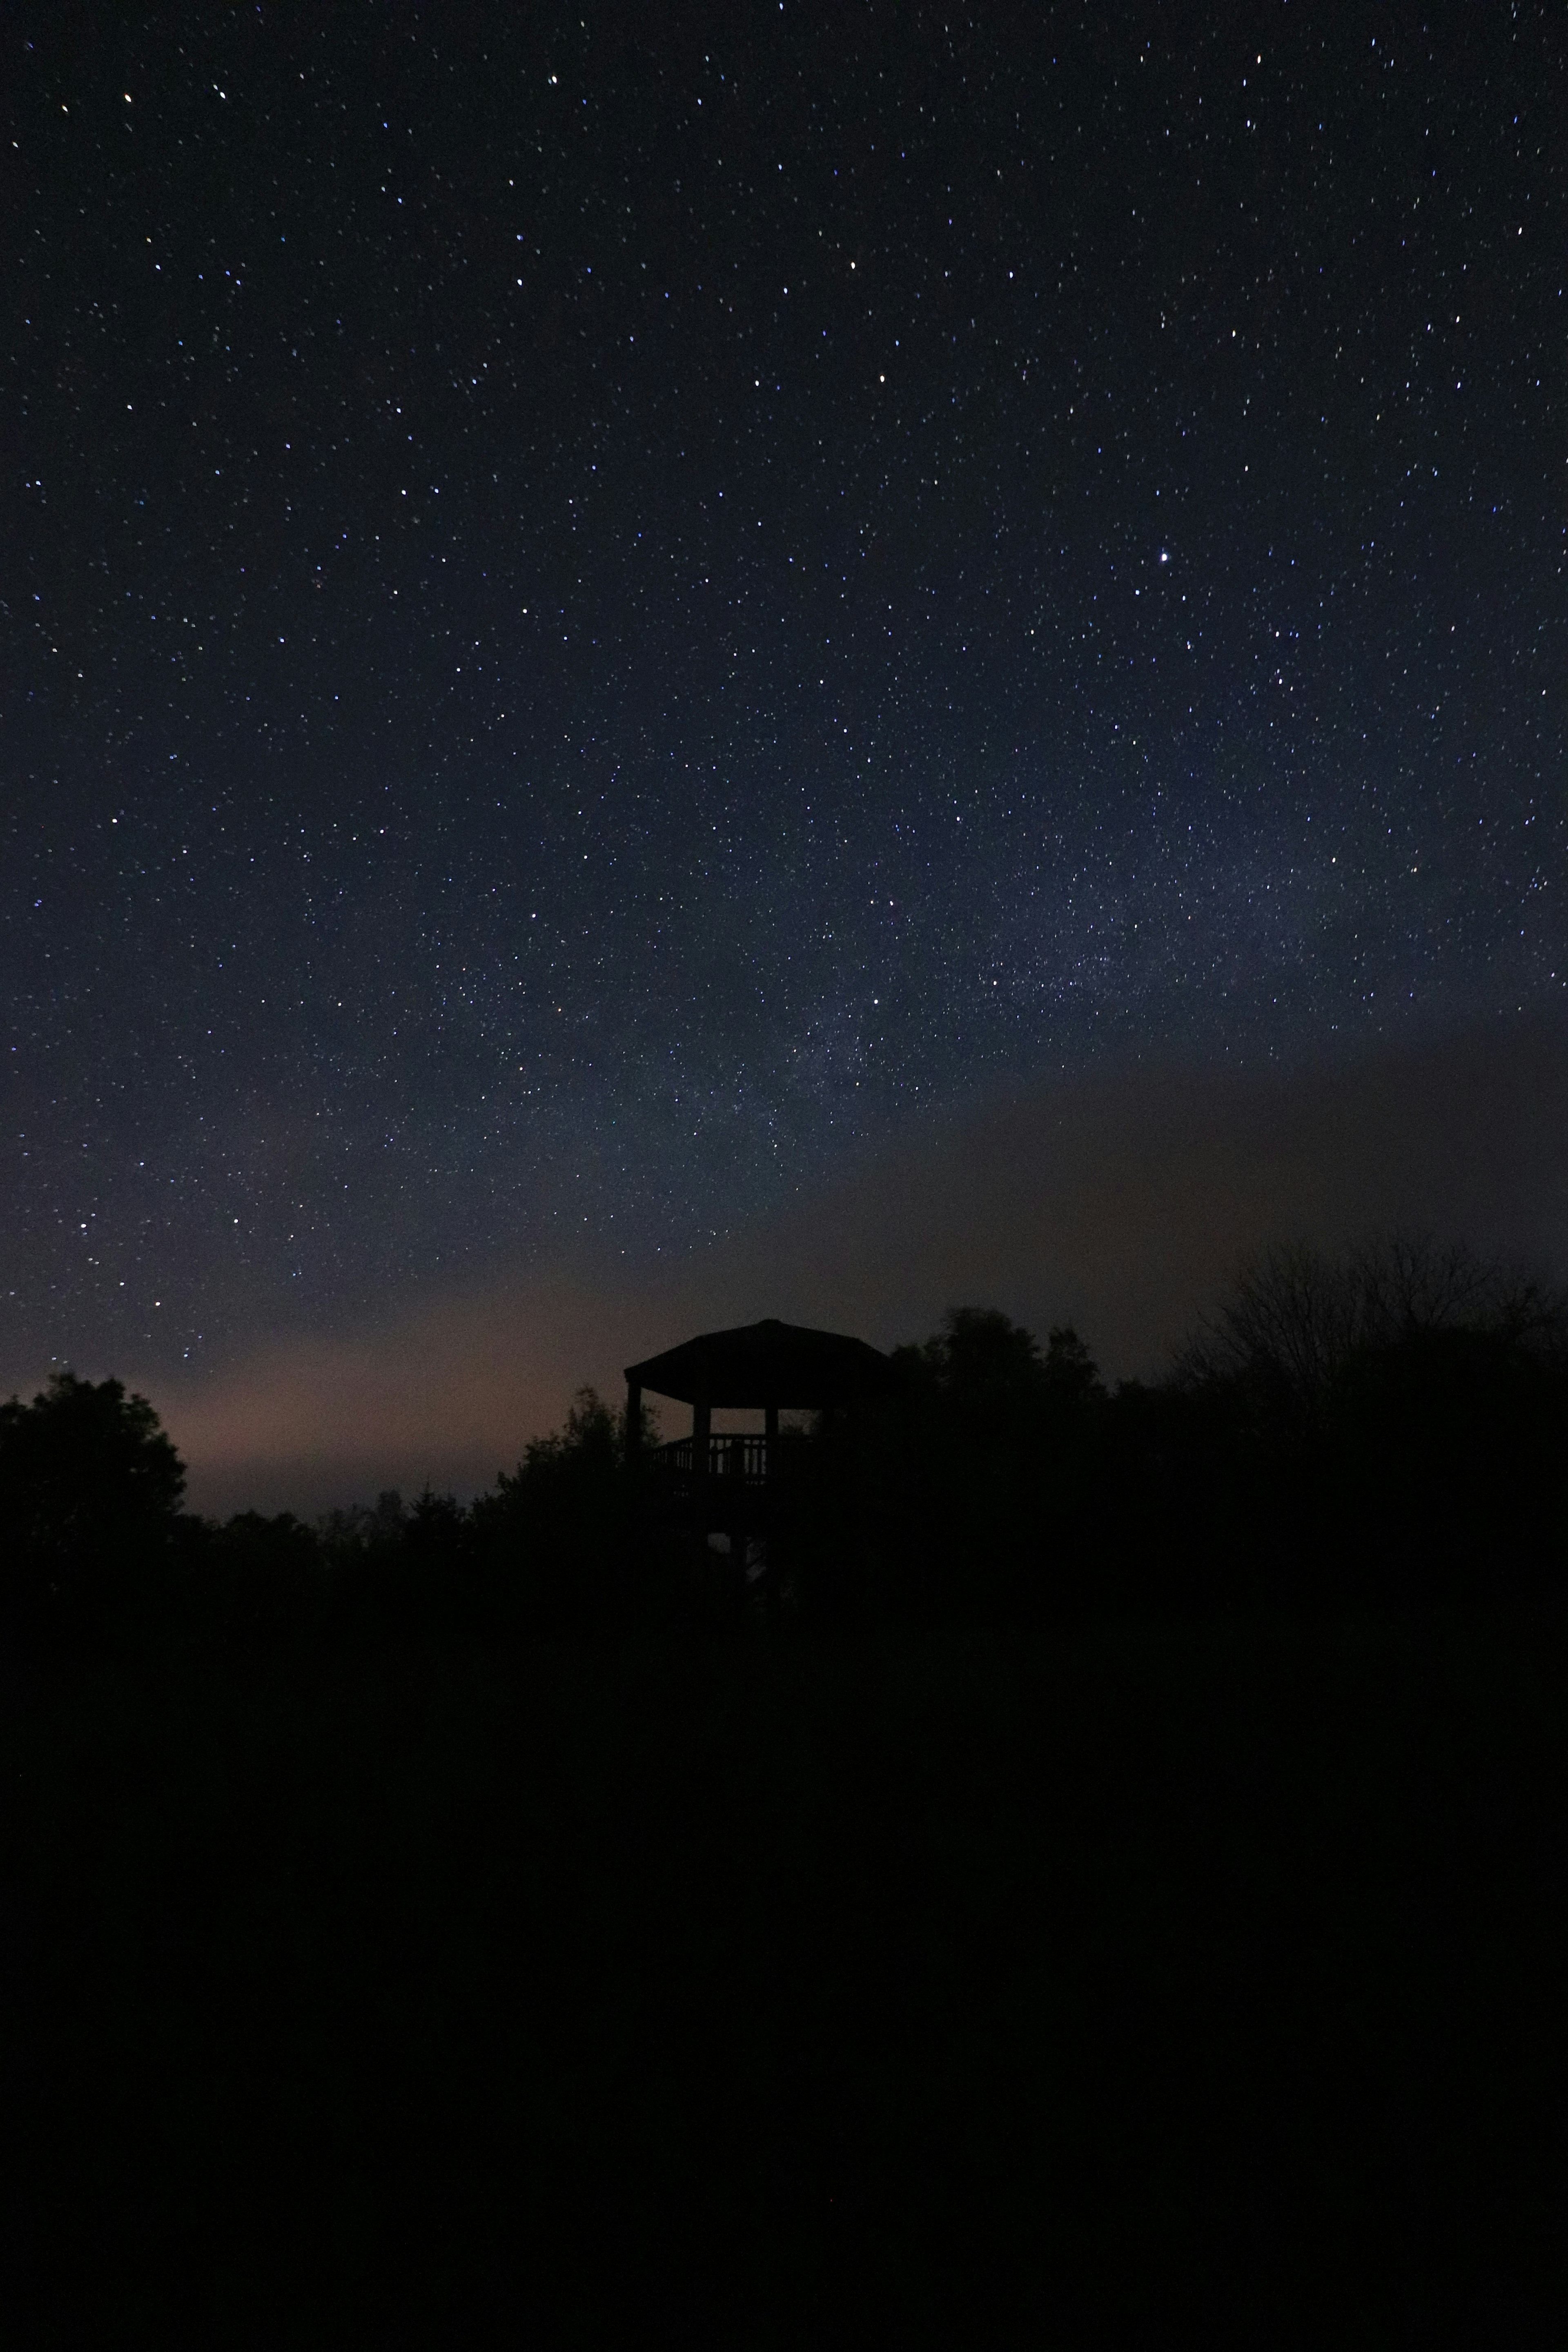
595,613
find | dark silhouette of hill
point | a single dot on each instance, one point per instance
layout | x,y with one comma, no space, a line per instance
1385,1427
1115,1898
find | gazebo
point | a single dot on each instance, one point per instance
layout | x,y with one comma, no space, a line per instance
730,1483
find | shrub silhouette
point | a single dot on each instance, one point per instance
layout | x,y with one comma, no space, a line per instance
962,1496
554,1538
263,1580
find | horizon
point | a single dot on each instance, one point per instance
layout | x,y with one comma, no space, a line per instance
814,663
1199,1169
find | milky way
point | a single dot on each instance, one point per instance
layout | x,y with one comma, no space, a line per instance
597,617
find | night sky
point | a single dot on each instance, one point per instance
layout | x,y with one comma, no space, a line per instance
604,618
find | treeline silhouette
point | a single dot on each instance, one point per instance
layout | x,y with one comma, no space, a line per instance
1128,1913
1384,1428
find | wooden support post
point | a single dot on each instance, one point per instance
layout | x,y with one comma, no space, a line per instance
770,1506
701,1449
634,1423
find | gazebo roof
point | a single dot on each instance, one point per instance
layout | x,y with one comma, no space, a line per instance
767,1363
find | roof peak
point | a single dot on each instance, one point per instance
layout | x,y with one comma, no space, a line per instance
769,1362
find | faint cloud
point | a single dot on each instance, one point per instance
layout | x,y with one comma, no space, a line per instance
1120,1201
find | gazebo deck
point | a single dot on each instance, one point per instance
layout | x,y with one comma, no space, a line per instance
738,1483
744,1459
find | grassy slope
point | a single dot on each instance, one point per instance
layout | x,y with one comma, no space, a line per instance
1033,1991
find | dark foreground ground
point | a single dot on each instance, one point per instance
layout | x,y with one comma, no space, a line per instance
1137,1988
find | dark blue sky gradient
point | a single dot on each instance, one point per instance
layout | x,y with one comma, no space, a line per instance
595,619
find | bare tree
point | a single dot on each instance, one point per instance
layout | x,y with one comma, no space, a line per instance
1296,1318
1412,1286
1292,1317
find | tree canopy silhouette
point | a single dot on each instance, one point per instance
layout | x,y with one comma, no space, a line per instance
1392,1419
1385,1426
1297,1320
90,1490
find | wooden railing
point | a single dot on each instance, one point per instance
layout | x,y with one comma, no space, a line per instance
733,1457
